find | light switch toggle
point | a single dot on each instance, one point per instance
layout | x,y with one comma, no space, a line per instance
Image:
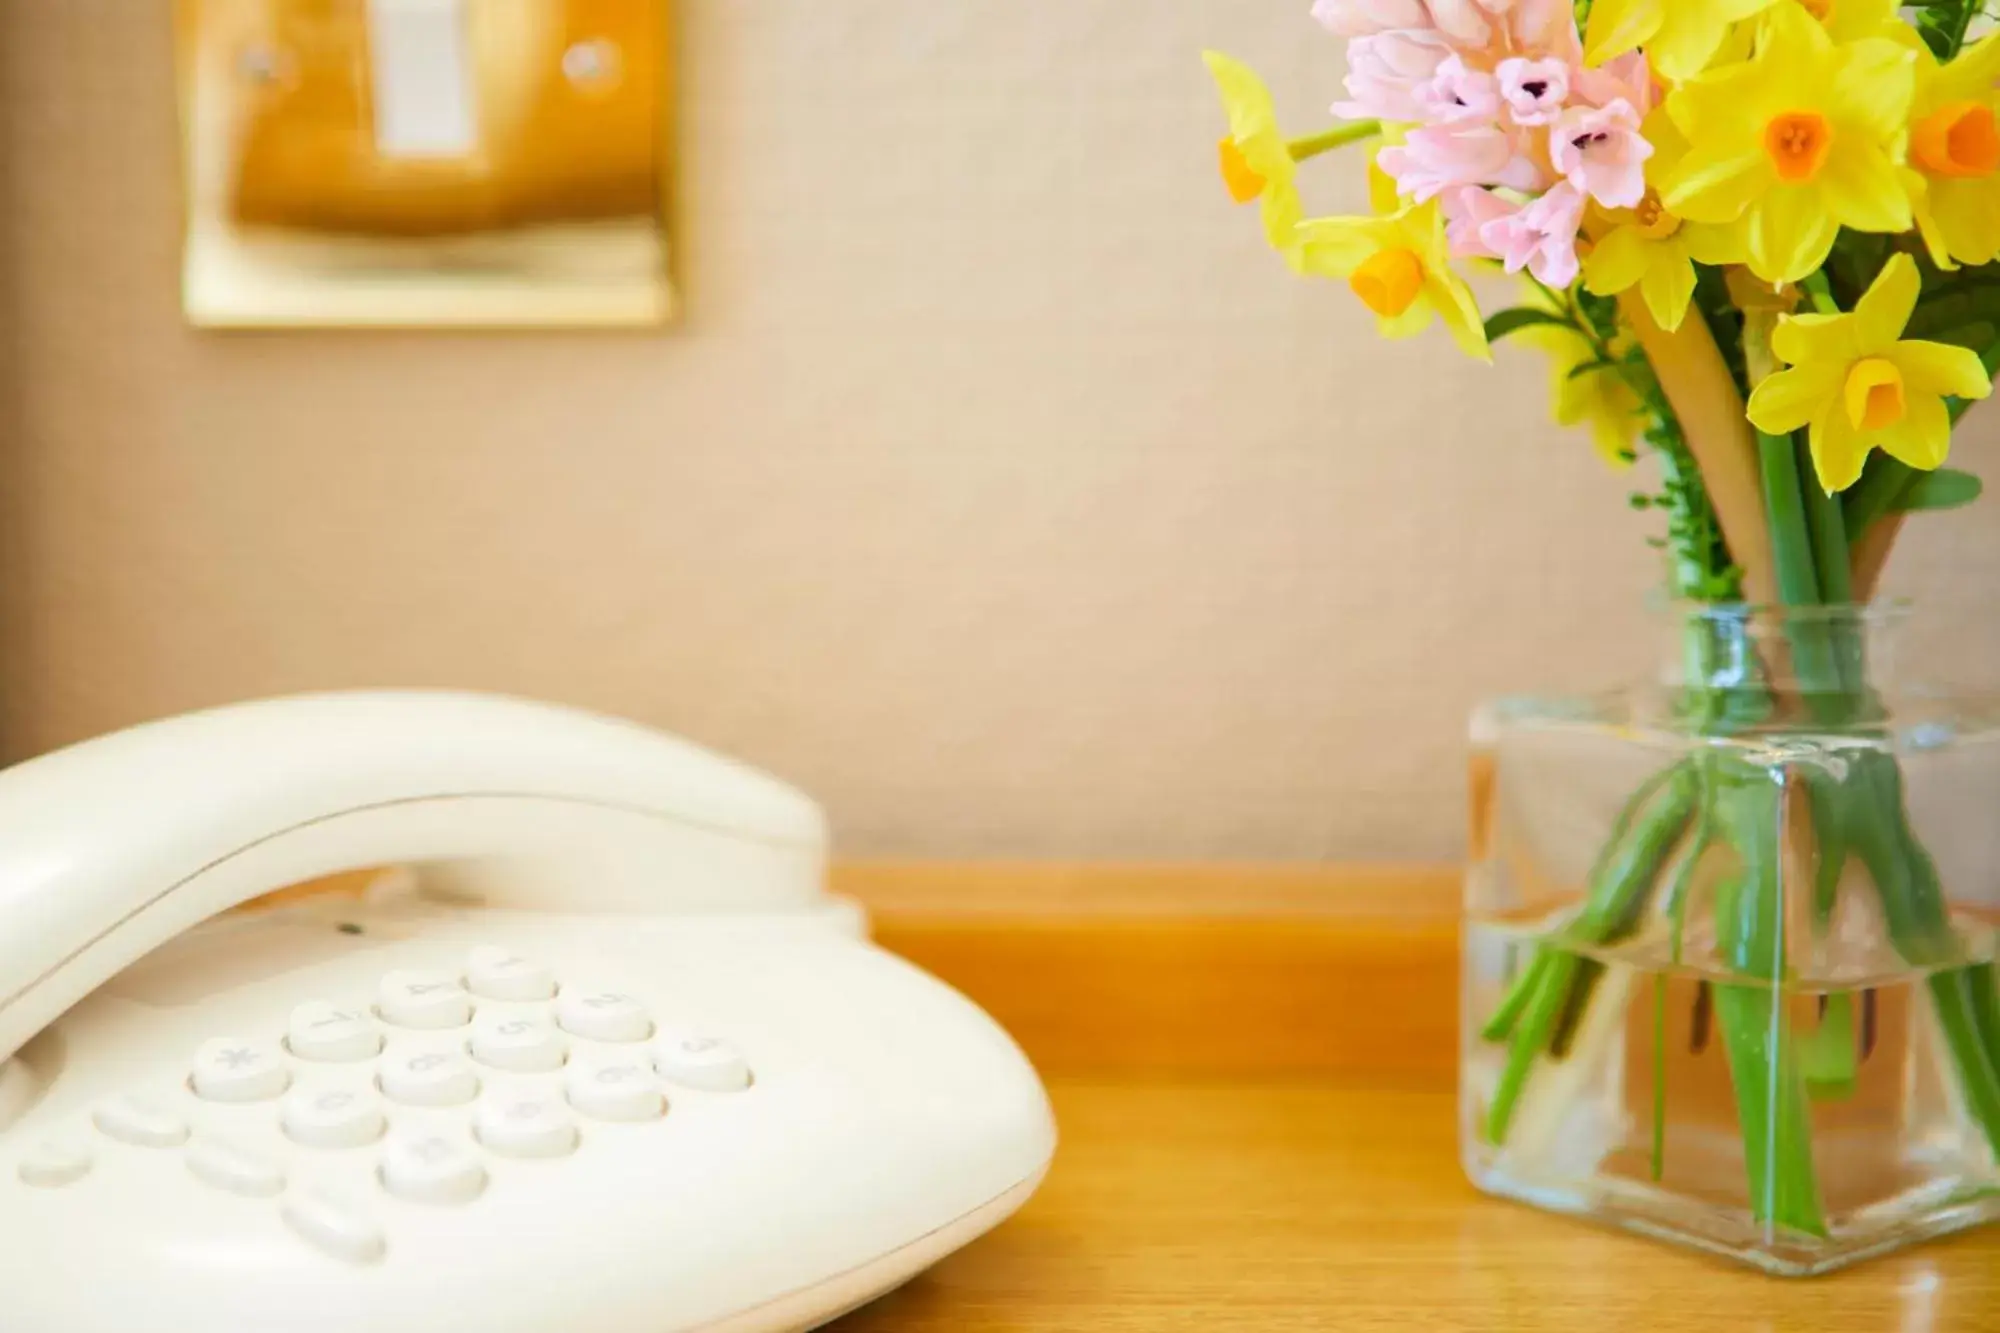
422,79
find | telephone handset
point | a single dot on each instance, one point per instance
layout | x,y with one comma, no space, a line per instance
616,1062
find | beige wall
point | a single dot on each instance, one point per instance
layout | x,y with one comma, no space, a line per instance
997,487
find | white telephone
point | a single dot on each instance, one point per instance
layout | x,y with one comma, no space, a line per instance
609,1059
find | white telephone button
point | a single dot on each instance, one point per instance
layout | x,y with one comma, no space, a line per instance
143,1123
228,1069
331,1034
525,1124
696,1061
57,1163
603,1016
336,1225
616,1090
423,1000
235,1169
517,1042
502,974
428,1076
331,1117
427,1167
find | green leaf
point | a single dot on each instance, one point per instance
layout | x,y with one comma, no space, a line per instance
1946,488
1521,317
1591,368
1972,337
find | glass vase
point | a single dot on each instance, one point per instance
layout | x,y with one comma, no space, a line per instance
1728,971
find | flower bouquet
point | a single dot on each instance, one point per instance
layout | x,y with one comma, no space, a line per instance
1728,970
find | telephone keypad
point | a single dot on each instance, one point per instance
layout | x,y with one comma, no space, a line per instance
57,1163
621,1090
428,1120
519,1043
331,1034
602,1015
427,1074
425,1166
330,1117
425,1000
229,1069
524,1124
141,1122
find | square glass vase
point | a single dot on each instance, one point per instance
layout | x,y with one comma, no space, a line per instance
1728,954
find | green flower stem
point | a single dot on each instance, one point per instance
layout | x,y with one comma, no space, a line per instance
1794,551
1771,1106
1983,993
1828,529
1880,489
1500,1024
1312,145
1829,1056
1620,886
1530,1037
1784,503
1678,890
1914,909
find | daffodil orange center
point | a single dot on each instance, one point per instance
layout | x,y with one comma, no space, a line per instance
1798,142
1654,219
1389,281
1819,9
1244,181
1874,394
1957,140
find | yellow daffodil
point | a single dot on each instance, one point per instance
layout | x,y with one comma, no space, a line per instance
1599,400
1804,138
1651,249
1681,37
1400,268
1257,164
1861,387
1955,154
1852,20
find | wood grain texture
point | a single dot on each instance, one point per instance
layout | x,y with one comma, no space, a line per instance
1211,970
1276,1207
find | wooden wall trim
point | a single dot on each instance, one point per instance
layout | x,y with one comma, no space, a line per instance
1190,969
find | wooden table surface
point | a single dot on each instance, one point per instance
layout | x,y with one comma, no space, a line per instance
1252,1072
1240,1204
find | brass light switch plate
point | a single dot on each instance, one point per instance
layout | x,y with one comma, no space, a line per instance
381,163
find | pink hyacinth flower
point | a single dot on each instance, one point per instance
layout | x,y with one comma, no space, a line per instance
1628,77
1463,22
1365,18
1442,157
1541,237
1534,90
1458,92
1546,27
1386,74
1600,151
1466,211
